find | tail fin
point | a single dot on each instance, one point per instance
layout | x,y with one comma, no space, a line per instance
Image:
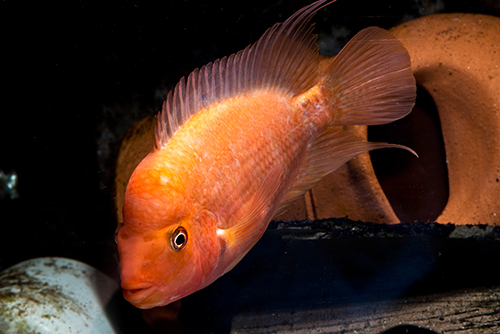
370,81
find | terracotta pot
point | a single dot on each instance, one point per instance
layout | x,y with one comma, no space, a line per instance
137,143
456,59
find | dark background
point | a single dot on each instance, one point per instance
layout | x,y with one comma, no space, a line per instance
77,74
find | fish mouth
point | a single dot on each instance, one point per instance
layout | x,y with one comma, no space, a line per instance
137,294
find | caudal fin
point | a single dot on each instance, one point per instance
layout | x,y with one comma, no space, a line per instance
370,81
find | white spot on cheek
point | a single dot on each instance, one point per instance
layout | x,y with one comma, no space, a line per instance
221,232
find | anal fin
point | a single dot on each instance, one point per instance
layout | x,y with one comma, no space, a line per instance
331,149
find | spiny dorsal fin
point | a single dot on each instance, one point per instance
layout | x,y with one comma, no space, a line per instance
284,59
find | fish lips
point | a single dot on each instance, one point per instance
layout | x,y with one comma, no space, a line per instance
139,295
147,296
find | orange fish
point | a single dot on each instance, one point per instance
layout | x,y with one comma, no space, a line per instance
239,140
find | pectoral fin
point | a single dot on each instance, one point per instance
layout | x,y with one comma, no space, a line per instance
260,211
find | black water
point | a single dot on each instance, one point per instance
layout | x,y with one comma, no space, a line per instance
77,75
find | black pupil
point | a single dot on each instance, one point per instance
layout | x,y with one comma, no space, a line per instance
180,239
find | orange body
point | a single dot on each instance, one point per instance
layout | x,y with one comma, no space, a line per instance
227,159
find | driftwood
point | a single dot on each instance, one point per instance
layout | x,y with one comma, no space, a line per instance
471,310
464,311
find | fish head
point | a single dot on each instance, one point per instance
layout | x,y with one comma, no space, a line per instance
167,246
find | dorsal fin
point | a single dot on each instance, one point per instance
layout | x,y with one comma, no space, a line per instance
284,59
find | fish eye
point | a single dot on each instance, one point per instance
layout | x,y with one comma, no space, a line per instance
179,238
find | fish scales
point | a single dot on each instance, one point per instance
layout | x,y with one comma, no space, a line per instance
229,136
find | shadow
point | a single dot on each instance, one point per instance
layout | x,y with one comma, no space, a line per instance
408,329
416,188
